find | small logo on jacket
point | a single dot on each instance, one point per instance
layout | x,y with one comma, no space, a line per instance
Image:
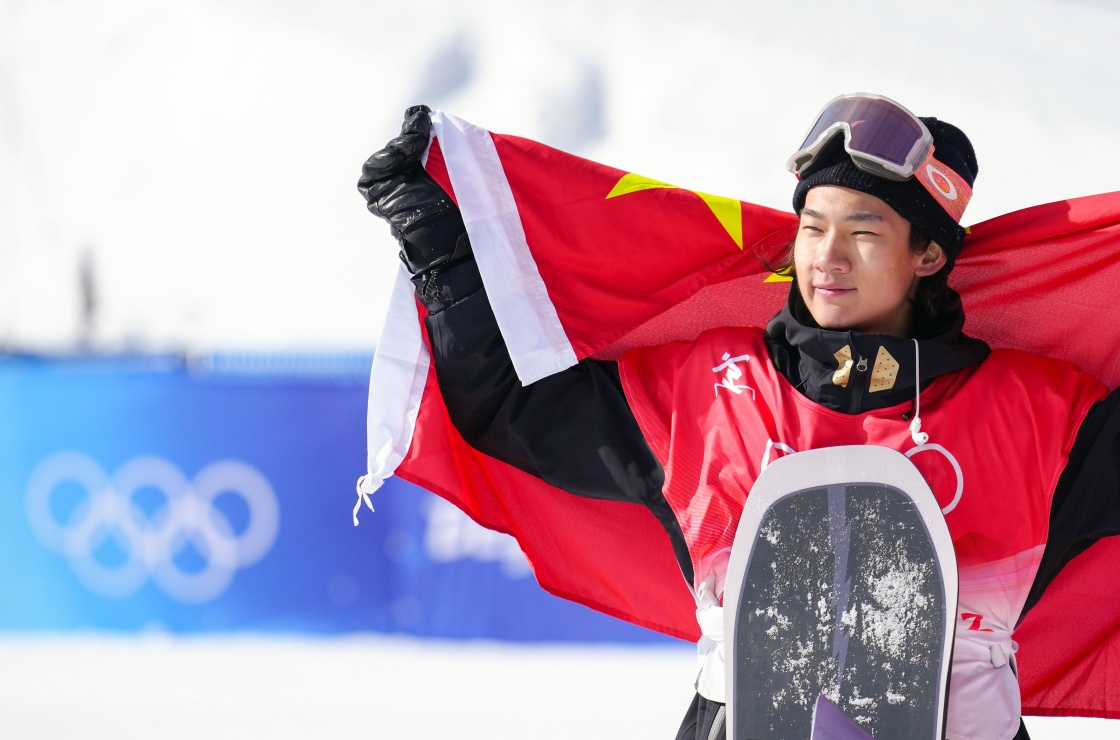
732,374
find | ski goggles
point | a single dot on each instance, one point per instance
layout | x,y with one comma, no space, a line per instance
886,140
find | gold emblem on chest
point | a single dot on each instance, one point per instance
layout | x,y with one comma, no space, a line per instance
844,372
885,371
883,375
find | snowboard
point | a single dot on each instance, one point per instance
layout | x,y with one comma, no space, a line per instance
841,586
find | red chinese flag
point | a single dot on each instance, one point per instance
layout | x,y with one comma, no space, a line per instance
612,260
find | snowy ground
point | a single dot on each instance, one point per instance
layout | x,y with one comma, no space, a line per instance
171,688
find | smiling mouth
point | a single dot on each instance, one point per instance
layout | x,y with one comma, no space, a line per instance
832,291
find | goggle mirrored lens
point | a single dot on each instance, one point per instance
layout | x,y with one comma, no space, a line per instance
879,128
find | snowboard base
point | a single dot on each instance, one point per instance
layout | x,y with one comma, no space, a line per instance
841,585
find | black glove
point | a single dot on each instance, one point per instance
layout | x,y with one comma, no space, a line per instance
423,218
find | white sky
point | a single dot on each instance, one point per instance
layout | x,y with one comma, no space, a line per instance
204,153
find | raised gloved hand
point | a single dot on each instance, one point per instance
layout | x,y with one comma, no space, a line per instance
423,218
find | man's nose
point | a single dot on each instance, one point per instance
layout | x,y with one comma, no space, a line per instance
831,254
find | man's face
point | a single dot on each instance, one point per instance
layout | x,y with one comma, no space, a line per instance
854,265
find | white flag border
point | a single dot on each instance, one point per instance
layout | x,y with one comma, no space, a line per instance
396,385
526,316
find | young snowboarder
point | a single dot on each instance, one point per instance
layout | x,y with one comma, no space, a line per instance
879,198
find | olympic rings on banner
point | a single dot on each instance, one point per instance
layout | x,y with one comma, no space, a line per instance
107,514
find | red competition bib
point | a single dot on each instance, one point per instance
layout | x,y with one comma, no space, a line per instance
716,412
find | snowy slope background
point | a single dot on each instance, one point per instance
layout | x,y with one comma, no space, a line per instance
201,156
193,163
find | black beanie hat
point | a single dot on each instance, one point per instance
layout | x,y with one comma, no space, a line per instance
910,199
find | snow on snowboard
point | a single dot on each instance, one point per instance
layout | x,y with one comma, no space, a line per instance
839,602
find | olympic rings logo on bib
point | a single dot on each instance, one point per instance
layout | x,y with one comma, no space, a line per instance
958,474
770,453
149,544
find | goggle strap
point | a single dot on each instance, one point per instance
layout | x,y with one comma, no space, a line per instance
947,187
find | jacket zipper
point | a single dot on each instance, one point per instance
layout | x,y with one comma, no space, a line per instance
857,383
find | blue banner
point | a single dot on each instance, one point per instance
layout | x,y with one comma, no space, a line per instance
214,495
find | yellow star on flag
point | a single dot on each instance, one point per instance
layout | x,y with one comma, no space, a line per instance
727,211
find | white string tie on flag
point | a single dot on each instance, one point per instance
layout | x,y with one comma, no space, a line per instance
365,487
396,384
528,321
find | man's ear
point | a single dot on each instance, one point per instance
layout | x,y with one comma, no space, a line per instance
933,259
